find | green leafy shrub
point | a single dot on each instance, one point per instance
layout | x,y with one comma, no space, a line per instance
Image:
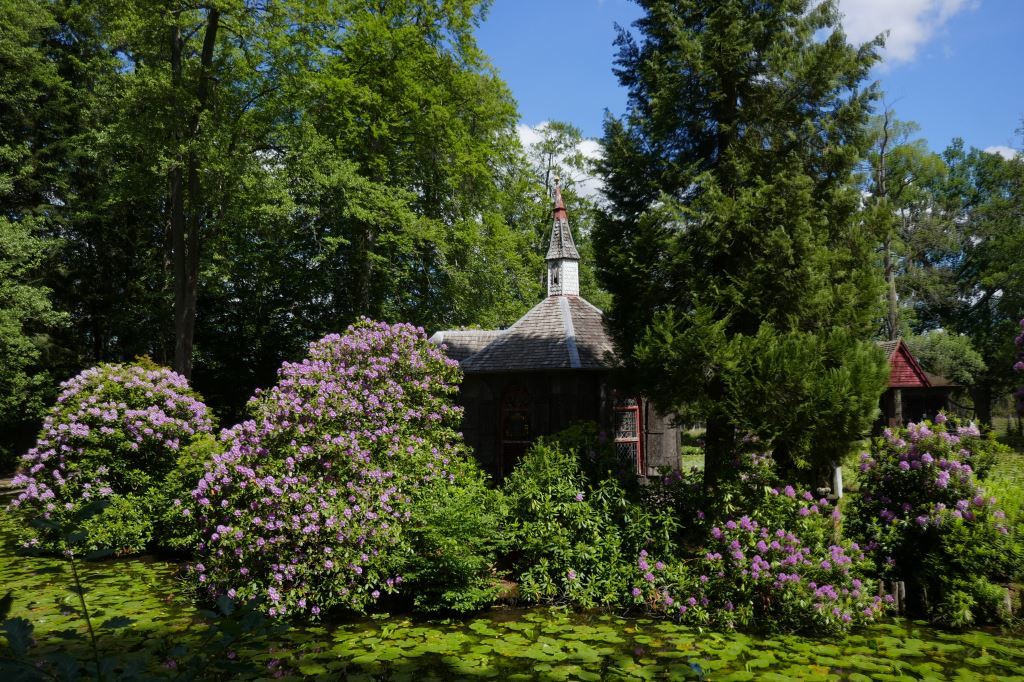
576,519
685,494
176,532
454,544
126,524
777,566
114,434
566,547
984,452
334,494
927,520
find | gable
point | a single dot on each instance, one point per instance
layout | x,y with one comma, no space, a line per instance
904,370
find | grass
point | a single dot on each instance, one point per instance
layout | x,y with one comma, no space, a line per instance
1006,482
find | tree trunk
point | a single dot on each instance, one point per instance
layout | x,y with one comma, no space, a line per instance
186,226
893,319
719,452
982,395
179,256
363,295
881,191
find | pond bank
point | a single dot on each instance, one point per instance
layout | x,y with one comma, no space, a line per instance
512,644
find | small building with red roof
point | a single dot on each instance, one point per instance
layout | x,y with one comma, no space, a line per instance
912,394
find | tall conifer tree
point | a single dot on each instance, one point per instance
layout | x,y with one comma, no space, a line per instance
743,283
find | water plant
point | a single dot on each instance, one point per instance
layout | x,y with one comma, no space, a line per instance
92,647
114,434
324,497
168,638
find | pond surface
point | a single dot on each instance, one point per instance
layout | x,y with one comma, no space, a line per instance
504,644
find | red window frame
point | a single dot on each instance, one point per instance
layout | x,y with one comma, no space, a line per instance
626,410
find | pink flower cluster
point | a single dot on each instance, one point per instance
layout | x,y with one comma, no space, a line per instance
925,478
114,429
306,507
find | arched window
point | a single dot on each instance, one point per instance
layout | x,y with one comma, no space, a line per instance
628,427
515,426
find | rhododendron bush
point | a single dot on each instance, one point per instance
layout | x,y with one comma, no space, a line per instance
927,519
777,569
321,498
114,435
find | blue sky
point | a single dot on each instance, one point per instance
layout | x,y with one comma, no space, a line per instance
956,67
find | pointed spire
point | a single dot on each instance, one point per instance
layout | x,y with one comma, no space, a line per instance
559,209
562,245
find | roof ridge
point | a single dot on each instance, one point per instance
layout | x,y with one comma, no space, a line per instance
596,309
570,332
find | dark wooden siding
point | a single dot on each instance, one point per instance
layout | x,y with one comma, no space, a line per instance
661,440
557,400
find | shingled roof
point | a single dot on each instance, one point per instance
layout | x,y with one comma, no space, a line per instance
461,343
889,347
560,332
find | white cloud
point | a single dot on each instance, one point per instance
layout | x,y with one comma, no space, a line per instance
1002,150
587,185
911,23
529,135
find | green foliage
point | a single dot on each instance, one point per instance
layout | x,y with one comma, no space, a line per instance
823,388
772,562
31,97
126,524
26,318
345,160
903,183
730,245
983,194
985,451
562,534
949,355
454,545
175,532
592,543
971,602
